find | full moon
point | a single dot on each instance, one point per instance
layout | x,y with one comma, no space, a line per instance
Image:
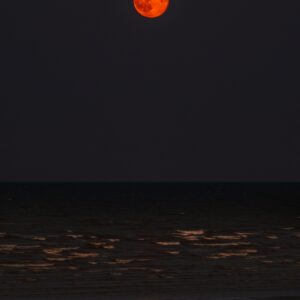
151,8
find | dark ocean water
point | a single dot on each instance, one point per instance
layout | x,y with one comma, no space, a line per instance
121,240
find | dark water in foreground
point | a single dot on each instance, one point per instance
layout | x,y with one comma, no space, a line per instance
135,241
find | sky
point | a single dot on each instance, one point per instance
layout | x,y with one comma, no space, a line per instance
92,91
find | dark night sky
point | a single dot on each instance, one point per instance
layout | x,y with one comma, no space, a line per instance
91,91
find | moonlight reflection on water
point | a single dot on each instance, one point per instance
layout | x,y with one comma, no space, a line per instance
157,249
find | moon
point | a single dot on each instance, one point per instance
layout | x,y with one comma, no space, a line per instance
151,8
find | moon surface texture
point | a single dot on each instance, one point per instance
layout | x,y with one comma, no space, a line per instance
151,8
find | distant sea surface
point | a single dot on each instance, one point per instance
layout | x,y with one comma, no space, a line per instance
149,242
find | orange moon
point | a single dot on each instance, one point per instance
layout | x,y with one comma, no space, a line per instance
151,8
